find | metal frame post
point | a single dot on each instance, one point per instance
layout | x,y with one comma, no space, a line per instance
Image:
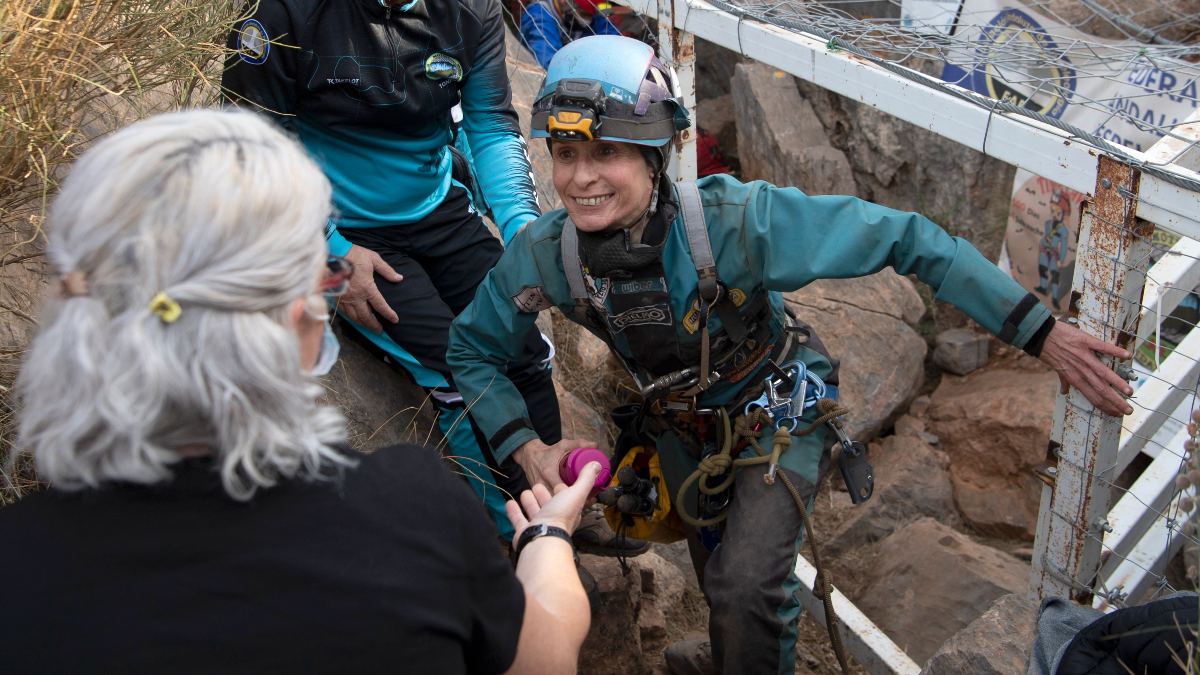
678,48
1113,245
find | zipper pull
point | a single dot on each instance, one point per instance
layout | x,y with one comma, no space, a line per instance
387,14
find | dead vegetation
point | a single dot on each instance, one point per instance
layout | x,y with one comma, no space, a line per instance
72,71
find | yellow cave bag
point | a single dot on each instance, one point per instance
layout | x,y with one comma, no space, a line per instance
662,525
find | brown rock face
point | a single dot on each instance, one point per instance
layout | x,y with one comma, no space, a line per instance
613,645
995,425
930,582
906,167
638,615
382,407
580,421
779,137
912,481
865,323
997,643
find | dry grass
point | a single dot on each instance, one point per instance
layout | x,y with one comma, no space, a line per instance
70,72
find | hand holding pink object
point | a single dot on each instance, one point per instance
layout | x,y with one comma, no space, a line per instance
573,463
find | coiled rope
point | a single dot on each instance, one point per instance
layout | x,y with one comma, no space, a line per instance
723,465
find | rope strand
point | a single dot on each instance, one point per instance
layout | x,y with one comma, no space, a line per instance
723,464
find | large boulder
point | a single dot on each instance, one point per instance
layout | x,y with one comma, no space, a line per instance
995,425
382,406
867,323
997,643
912,481
791,132
613,645
779,137
580,420
903,166
929,582
639,613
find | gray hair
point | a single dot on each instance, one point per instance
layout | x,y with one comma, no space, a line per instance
225,215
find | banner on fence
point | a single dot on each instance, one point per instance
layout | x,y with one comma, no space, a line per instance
1131,105
930,16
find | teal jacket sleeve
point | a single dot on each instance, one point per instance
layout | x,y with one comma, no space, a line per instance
490,332
796,239
493,131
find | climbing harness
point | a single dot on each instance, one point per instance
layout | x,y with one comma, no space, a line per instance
787,393
745,342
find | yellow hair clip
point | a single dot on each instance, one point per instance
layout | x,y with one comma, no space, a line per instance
165,308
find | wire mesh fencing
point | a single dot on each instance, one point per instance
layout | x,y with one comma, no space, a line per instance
1128,496
1035,63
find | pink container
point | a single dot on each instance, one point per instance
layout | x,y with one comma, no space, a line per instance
578,458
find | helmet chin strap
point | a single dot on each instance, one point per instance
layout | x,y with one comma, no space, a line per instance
615,249
644,217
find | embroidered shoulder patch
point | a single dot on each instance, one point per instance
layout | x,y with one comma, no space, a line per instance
532,299
253,43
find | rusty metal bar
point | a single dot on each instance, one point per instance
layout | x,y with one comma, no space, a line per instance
678,48
1106,304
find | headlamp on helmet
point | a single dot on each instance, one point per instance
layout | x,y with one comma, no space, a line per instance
608,87
576,110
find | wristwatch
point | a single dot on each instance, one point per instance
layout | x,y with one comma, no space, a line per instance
542,530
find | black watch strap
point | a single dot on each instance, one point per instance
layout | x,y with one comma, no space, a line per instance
542,530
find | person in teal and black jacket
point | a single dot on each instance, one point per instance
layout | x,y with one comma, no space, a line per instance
629,259
370,88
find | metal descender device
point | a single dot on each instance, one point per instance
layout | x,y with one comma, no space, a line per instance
791,389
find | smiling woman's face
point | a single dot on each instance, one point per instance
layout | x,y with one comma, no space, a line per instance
603,184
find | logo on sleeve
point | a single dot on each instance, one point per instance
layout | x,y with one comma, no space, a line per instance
442,67
253,44
532,299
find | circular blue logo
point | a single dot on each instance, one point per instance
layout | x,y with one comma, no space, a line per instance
253,43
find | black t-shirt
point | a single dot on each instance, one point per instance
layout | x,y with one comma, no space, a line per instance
393,567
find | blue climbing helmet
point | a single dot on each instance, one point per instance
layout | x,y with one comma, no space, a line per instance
609,87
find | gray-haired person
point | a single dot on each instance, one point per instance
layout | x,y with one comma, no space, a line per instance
203,515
